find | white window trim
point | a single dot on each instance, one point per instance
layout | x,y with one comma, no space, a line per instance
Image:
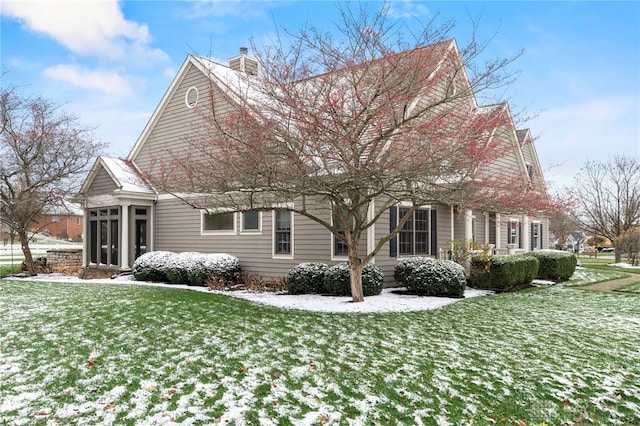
538,237
251,231
408,204
517,234
537,226
275,255
334,257
186,97
203,231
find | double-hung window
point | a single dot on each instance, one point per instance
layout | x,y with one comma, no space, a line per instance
417,235
283,232
414,236
340,216
536,235
513,236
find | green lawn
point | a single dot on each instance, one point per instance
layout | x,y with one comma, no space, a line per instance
127,354
631,288
591,275
10,269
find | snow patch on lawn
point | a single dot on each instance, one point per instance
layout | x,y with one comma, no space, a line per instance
624,265
391,299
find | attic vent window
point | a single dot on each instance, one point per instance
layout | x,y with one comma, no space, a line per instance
191,97
530,170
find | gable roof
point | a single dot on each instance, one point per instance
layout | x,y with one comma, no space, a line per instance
241,87
124,174
221,75
528,150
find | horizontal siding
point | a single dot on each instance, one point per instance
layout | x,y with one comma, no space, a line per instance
102,184
507,162
383,260
530,156
444,227
178,229
388,263
177,121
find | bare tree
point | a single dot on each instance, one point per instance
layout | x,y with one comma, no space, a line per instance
630,243
608,198
561,224
42,152
347,125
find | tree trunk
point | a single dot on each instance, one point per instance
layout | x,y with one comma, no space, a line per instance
32,270
618,254
355,273
355,270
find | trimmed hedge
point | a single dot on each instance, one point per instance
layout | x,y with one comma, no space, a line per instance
405,266
178,267
337,281
152,266
431,277
306,278
502,272
207,265
555,265
185,268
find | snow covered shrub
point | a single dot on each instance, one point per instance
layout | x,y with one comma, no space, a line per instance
206,265
502,272
434,277
405,267
337,281
306,278
179,265
555,265
151,266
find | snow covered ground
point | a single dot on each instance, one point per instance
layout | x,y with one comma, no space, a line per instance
626,265
86,353
391,299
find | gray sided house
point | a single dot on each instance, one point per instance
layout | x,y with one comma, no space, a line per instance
125,216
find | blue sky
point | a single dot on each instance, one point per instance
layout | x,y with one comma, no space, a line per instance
111,62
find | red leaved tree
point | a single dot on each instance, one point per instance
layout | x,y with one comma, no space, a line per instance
347,128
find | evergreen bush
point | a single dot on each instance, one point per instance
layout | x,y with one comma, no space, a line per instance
337,280
152,266
433,277
405,267
555,265
306,278
502,272
207,265
179,265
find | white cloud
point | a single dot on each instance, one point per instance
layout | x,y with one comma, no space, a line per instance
169,73
96,28
407,9
593,130
226,8
104,81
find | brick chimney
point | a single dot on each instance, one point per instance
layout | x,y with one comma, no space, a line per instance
244,63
